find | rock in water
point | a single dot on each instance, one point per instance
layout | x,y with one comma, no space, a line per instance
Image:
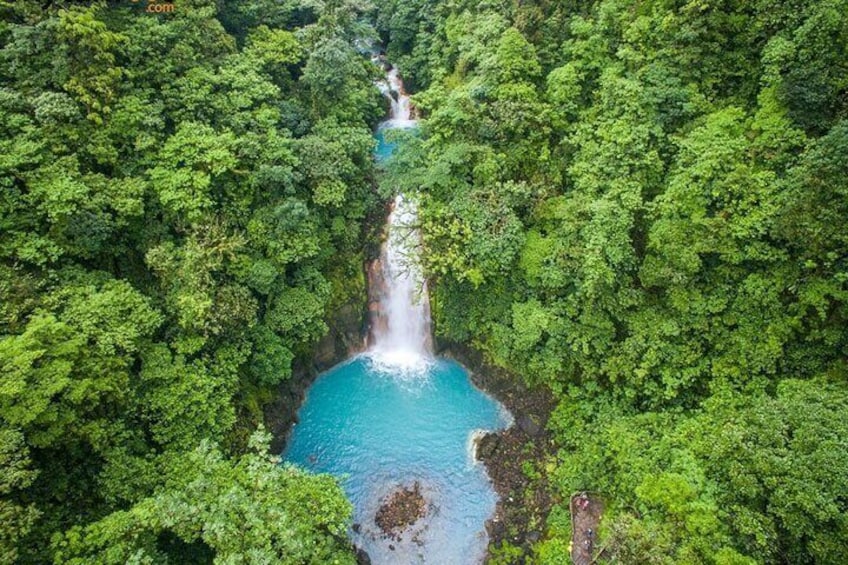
401,509
487,446
362,558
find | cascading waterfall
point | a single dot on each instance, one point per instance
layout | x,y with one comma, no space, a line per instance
398,416
401,339
401,107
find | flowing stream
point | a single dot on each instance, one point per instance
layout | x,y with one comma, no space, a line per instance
396,416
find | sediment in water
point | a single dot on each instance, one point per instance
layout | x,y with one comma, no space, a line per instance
401,509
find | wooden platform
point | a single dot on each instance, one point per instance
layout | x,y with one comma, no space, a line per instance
586,510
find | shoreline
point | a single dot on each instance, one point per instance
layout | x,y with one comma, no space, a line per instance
345,339
524,502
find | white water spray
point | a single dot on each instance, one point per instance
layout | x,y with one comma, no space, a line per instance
402,342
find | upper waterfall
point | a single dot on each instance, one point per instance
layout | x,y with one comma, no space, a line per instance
400,115
401,108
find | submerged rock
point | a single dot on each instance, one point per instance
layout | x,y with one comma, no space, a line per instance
362,557
401,509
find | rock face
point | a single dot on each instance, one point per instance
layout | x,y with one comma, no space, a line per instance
345,339
487,446
377,321
401,509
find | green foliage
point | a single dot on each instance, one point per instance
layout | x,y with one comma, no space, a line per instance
641,206
247,511
18,519
92,76
188,163
183,197
505,553
67,366
184,401
753,475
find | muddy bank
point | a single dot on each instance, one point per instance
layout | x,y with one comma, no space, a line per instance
525,498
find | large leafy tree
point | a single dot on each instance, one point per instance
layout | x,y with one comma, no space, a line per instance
247,511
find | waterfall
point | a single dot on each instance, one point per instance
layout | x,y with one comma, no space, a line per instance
403,337
401,115
401,108
400,336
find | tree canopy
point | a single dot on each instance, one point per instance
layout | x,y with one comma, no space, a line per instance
640,205
184,198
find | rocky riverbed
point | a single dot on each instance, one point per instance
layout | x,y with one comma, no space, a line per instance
525,499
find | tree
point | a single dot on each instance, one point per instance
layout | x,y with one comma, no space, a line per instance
17,474
68,369
248,511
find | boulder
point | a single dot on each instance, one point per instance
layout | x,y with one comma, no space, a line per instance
529,425
362,558
487,446
496,528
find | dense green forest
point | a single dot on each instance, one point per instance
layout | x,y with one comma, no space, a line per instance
643,205
183,200
640,205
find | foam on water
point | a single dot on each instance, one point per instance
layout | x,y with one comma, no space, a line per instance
400,363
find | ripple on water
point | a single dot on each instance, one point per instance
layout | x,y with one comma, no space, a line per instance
380,430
